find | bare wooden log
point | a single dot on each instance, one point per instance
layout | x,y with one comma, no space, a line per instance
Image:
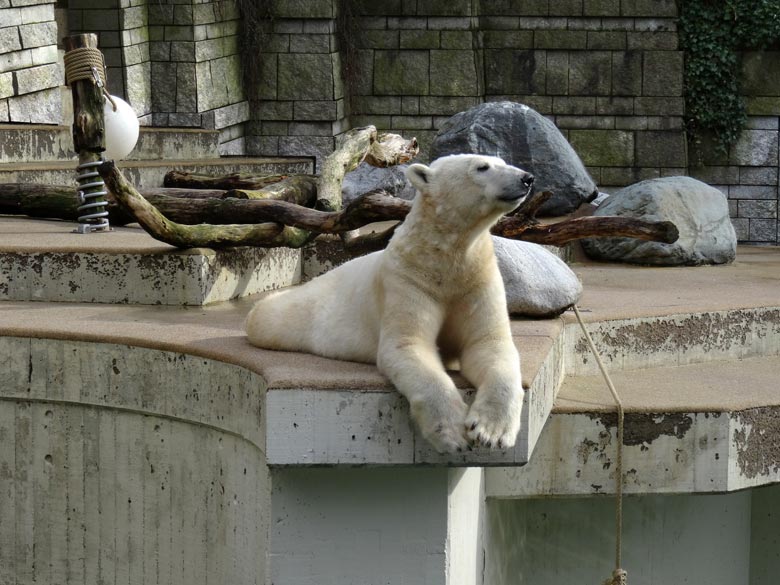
88,125
195,236
297,189
563,232
185,180
354,147
89,135
60,202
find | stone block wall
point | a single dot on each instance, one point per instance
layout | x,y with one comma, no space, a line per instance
419,63
30,74
748,173
123,38
301,105
175,61
608,73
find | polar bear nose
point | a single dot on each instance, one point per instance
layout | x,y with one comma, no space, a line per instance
528,180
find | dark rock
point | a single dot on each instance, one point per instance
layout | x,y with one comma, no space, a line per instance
523,138
699,211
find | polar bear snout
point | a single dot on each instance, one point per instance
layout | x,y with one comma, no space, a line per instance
516,192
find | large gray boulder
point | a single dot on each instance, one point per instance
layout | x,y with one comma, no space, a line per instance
367,178
700,212
537,282
523,138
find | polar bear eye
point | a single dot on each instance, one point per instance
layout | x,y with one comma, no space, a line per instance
483,168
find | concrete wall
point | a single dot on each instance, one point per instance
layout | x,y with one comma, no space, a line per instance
128,465
700,540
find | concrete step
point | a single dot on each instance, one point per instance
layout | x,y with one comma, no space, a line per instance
46,261
700,428
33,143
150,173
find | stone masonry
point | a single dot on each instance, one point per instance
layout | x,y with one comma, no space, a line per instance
301,106
608,73
176,62
30,74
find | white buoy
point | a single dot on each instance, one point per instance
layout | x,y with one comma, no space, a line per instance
121,129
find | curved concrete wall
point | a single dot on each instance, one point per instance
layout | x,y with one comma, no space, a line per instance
124,464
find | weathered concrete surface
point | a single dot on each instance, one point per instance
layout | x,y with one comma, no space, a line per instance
316,387
128,464
708,427
35,143
46,261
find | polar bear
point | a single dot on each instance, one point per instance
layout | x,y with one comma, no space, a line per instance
434,295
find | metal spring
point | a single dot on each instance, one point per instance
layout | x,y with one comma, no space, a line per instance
94,216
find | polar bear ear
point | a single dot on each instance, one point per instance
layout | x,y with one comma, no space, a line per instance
419,176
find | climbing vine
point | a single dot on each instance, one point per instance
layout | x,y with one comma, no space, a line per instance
712,32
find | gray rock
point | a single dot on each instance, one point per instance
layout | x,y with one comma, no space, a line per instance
367,178
699,211
537,282
523,138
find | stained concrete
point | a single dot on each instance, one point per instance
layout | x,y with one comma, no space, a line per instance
47,261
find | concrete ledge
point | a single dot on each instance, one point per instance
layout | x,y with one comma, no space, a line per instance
314,406
700,428
46,261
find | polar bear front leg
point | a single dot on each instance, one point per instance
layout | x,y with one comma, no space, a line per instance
491,363
409,357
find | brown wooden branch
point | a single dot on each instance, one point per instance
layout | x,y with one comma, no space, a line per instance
563,232
196,236
187,180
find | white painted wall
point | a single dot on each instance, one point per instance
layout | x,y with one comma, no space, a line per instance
691,540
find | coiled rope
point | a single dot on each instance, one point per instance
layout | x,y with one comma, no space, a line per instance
619,575
85,63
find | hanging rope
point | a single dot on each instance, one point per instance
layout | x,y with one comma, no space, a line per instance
86,63
619,576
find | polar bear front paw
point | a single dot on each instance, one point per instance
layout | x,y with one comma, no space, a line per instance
440,420
494,423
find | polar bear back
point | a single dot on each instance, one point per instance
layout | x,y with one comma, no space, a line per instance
312,319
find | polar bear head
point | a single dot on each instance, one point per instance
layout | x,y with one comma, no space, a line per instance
473,187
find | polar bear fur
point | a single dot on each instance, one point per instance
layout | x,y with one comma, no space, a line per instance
433,295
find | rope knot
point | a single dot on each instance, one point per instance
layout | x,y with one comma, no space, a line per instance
87,63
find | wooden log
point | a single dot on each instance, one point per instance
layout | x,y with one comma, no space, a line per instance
297,189
563,232
185,180
354,147
88,123
267,234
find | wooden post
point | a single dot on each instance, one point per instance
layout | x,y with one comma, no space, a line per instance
88,139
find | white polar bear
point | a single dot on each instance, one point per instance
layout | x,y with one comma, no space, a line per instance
433,295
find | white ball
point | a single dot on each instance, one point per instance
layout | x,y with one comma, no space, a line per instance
121,129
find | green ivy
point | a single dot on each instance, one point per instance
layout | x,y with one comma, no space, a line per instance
712,32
